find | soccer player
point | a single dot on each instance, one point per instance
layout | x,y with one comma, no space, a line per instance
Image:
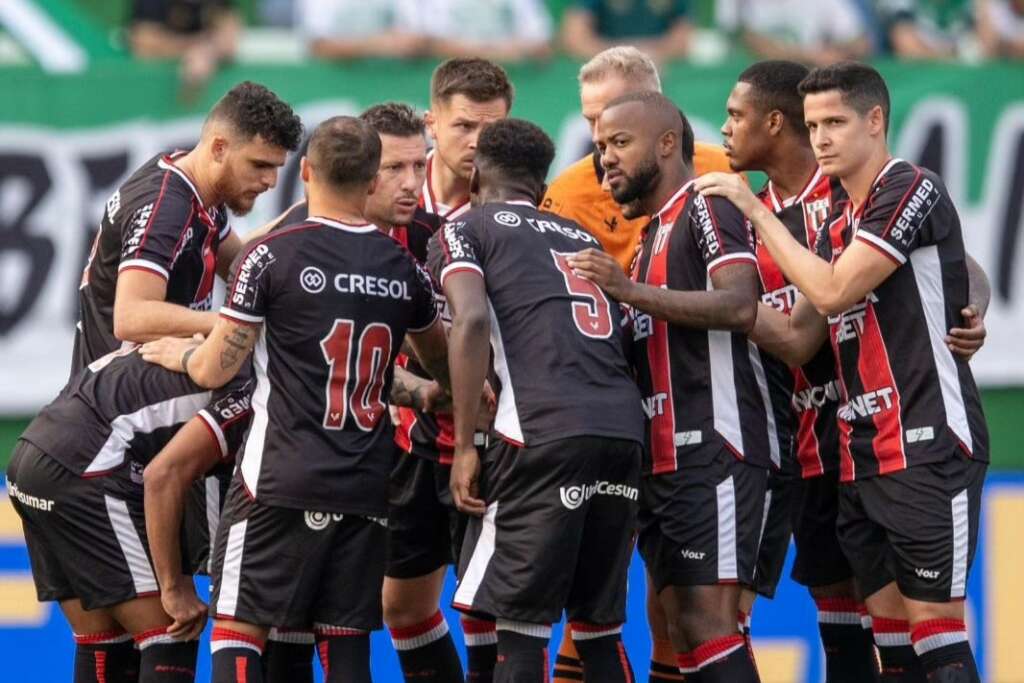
891,278
555,498
325,304
693,296
75,479
764,131
466,93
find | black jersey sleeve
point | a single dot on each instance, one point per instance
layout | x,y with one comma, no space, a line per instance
895,219
152,233
722,232
228,415
462,249
249,289
425,301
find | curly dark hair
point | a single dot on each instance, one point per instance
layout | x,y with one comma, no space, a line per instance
517,148
775,86
345,151
477,79
252,109
394,118
860,85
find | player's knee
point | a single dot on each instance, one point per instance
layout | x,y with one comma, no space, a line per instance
918,611
406,608
841,589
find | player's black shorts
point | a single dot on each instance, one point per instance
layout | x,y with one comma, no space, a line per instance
424,529
819,558
203,506
84,540
558,533
779,501
275,566
700,525
918,527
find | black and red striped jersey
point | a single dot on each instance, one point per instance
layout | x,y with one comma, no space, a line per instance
121,409
556,337
155,222
334,302
804,398
703,390
906,399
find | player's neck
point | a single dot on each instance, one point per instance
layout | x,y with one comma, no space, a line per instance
194,168
668,184
858,183
505,194
338,208
447,187
790,172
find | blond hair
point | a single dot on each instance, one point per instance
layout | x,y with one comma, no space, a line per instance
625,61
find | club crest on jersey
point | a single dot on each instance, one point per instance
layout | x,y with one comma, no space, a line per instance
507,218
661,237
312,279
816,213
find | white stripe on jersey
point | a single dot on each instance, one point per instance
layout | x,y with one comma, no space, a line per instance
769,407
212,517
726,501
506,422
252,459
222,442
724,403
131,546
231,570
961,540
123,428
764,524
928,274
479,560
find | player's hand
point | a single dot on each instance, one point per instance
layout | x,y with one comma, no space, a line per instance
436,399
967,340
167,351
604,271
465,481
730,186
186,609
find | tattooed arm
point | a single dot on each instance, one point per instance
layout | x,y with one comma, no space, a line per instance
212,363
410,391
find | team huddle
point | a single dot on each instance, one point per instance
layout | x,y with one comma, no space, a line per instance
435,359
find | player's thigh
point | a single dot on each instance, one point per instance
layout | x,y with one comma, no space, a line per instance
776,531
410,601
141,614
352,575
819,560
863,540
84,622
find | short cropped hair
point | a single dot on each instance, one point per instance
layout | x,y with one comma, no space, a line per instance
688,140
625,61
252,109
394,118
516,148
344,151
775,86
472,77
662,110
860,85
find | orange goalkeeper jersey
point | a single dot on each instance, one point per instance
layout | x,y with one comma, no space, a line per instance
576,194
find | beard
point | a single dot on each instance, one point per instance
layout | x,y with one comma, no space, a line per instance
234,196
637,186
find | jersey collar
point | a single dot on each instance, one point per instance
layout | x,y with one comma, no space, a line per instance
166,162
431,204
778,204
674,198
347,227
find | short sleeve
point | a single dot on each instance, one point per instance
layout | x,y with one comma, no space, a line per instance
423,298
722,232
152,233
460,245
895,219
247,293
228,416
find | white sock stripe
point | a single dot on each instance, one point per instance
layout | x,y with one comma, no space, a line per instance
590,635
436,633
218,645
939,640
524,628
866,622
478,639
291,637
892,639
158,639
720,655
840,618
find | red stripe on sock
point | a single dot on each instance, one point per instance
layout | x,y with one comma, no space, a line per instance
477,626
627,673
685,660
544,661
101,666
713,648
934,627
221,633
839,605
418,629
145,635
321,651
586,627
94,638
241,669
883,625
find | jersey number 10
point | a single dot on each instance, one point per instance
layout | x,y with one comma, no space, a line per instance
373,356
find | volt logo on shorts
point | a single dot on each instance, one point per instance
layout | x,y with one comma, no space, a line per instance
574,496
930,574
692,554
318,521
29,501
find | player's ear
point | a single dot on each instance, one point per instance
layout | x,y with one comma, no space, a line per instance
429,121
219,147
876,120
668,144
776,121
372,187
304,169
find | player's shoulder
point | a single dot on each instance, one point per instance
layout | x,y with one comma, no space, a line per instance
578,180
423,220
155,186
900,178
708,158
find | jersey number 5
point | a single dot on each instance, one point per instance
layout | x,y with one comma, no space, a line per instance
592,315
373,356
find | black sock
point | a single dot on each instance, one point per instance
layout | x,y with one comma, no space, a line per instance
288,656
725,660
427,651
602,653
522,652
110,657
481,649
944,652
168,661
899,661
344,654
236,657
849,647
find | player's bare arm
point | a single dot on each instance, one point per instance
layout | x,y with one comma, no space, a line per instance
212,363
410,391
141,314
794,338
226,253
167,479
468,351
967,340
731,305
430,347
832,288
